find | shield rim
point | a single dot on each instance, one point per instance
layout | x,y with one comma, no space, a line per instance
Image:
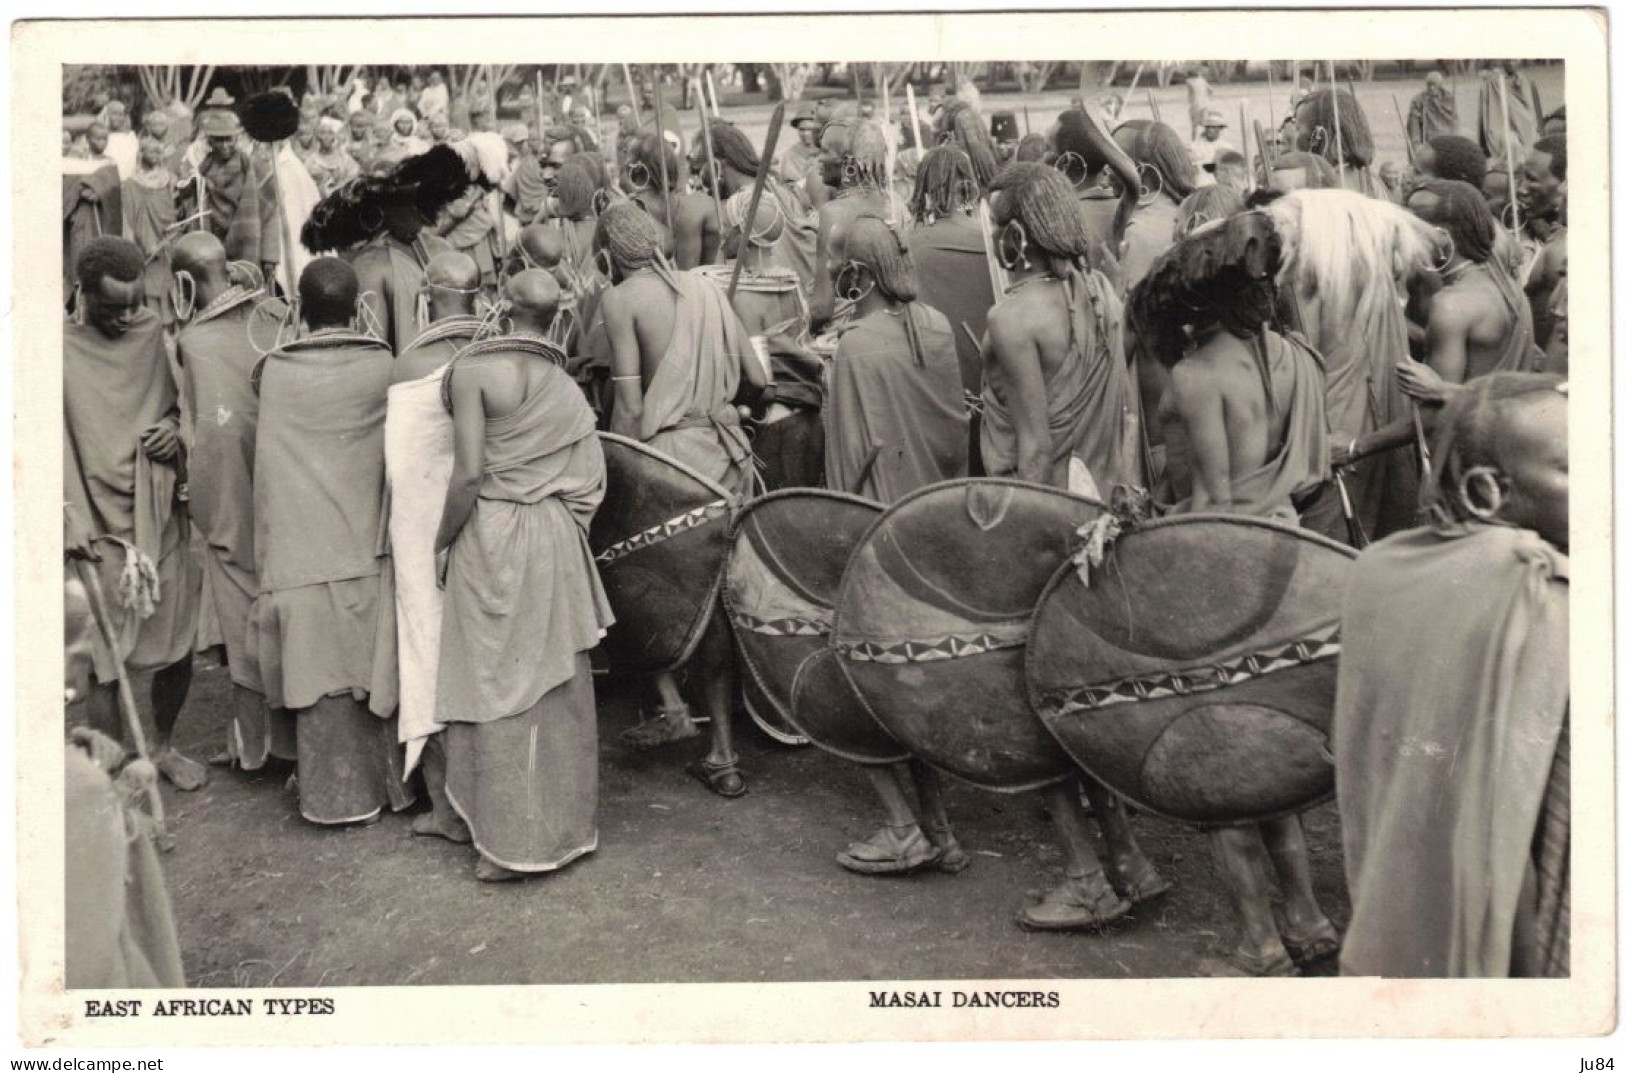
1165,522
708,606
846,575
744,657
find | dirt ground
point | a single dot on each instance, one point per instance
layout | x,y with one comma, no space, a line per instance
685,886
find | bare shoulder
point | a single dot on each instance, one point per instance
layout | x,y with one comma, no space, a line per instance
1455,308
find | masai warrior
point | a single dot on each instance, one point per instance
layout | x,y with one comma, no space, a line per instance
1245,419
678,358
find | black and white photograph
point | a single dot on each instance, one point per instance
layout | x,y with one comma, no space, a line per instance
951,527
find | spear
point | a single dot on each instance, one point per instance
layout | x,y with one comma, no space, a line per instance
716,106
1246,148
632,95
660,136
1133,82
1263,153
1269,72
1404,131
890,130
914,120
716,173
1337,120
1506,135
1156,113
773,126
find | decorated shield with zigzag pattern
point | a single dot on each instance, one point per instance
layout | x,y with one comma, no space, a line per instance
788,553
1194,671
932,617
659,540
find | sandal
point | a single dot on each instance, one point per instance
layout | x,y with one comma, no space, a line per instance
664,727
1080,903
951,856
887,853
723,779
1146,885
1317,946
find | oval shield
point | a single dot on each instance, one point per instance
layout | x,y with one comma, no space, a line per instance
659,539
932,617
789,550
1194,672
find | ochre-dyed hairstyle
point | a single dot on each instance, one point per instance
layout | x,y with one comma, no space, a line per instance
960,120
580,177
1205,205
872,242
633,238
1470,433
875,244
1315,113
1463,213
1032,149
1455,157
108,256
647,149
944,184
1047,208
866,151
1156,145
732,148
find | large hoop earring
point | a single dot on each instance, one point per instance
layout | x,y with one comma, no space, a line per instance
371,218
1320,140
600,201
1475,479
849,172
1071,164
632,179
185,296
1007,257
1147,173
1446,251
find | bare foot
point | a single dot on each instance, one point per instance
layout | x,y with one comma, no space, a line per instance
182,773
666,726
490,871
434,825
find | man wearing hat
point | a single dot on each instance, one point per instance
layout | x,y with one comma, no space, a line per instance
241,212
1002,126
1208,144
803,155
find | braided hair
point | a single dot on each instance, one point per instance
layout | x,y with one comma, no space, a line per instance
944,184
1318,128
730,146
1043,204
1463,213
580,177
866,152
648,149
1156,145
634,239
960,121
873,243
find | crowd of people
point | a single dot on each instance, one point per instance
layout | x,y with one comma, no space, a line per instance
369,483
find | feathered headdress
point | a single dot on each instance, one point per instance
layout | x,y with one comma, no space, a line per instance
354,212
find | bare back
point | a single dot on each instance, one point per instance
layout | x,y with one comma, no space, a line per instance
1468,325
1217,420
